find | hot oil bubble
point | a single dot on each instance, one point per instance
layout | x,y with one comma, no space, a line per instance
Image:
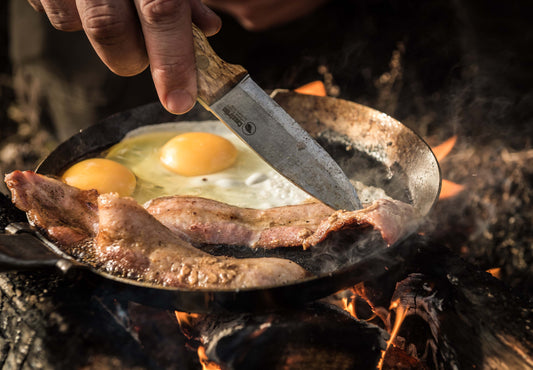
255,178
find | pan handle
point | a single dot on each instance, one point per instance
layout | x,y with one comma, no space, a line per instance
22,250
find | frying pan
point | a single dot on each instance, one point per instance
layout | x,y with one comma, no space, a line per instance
369,145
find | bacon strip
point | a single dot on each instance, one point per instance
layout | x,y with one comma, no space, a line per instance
206,221
393,219
68,214
133,243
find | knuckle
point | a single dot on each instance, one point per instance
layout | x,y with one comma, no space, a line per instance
36,5
63,21
66,25
103,25
169,69
168,72
161,11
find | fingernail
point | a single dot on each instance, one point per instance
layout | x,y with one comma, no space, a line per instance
179,101
216,24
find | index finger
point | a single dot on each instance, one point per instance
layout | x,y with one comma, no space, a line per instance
167,29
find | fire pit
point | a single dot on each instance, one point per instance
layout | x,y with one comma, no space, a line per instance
445,70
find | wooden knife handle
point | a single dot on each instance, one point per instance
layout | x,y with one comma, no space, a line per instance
215,76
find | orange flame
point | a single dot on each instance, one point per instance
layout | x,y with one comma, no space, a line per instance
313,88
401,313
496,272
349,305
186,321
204,360
443,149
448,188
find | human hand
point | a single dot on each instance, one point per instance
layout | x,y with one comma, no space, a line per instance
130,35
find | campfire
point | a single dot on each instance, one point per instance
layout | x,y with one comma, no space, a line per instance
413,326
455,295
409,313
410,324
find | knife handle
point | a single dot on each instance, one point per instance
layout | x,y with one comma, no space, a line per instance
215,76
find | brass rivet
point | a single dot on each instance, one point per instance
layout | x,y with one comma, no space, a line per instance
202,62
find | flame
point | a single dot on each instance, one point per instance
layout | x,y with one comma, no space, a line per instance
313,88
496,272
401,313
186,319
186,322
204,360
448,188
349,305
443,149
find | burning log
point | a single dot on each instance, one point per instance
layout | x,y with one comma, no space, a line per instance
160,337
474,320
319,336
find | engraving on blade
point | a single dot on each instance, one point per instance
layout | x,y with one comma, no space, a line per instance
247,127
283,143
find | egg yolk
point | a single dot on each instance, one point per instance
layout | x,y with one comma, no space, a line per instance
198,153
101,174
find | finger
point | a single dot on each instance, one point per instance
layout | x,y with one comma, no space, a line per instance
62,14
205,18
115,34
36,4
167,30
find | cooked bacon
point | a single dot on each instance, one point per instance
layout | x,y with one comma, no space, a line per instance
153,243
127,240
206,221
67,213
132,242
392,218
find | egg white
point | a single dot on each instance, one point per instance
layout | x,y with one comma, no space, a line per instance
249,182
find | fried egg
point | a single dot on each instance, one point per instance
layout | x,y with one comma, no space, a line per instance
202,159
104,175
198,153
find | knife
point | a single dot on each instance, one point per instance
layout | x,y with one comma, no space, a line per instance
227,91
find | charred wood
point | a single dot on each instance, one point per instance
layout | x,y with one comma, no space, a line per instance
475,321
48,322
318,336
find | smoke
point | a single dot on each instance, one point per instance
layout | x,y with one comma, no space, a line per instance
344,249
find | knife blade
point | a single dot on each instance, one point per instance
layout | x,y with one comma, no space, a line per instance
234,98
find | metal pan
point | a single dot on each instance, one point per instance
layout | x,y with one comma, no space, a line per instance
369,145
